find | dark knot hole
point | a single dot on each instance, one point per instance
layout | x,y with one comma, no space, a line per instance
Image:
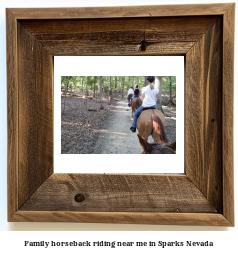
79,198
143,45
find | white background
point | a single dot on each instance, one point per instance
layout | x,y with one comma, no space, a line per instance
119,66
13,241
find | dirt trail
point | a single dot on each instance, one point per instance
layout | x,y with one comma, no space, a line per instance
117,138
89,130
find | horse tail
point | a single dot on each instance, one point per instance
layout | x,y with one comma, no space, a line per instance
159,128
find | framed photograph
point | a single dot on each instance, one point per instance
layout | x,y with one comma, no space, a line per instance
203,195
86,129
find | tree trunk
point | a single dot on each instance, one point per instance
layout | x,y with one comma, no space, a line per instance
100,89
170,92
123,81
110,86
158,84
115,82
87,86
170,89
145,83
66,90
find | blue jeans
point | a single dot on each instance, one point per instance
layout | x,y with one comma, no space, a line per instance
137,113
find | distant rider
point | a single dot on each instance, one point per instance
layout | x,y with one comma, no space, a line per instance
136,92
129,95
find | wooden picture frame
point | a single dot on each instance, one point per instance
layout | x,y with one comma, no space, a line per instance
204,34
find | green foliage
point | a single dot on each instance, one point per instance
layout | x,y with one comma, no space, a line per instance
69,82
166,84
80,83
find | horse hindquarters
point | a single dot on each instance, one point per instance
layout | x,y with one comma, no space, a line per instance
138,102
135,104
151,122
144,125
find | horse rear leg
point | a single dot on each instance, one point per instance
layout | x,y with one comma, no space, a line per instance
146,132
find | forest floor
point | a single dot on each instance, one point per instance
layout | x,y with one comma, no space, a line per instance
100,128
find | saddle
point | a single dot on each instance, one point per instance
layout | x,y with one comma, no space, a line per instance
147,108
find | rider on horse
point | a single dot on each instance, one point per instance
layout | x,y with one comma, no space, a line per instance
130,94
149,96
136,92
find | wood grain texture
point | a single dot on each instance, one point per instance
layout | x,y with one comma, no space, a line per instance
204,196
121,11
227,113
119,36
114,193
191,219
12,114
204,115
72,48
189,26
35,111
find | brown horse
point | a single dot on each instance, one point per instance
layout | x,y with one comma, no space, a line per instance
157,148
135,104
151,122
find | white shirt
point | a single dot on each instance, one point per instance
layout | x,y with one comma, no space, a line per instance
150,96
130,91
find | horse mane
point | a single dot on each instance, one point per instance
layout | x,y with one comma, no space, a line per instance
166,148
157,147
159,128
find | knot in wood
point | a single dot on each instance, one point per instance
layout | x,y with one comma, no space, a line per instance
79,198
143,45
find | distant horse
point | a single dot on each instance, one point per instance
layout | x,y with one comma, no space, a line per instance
157,148
135,104
151,122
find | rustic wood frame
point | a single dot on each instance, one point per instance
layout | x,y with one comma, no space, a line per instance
204,34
